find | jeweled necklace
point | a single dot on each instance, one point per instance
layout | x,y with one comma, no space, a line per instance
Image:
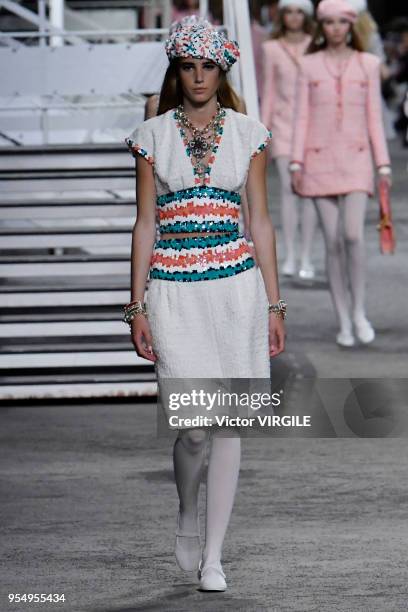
203,139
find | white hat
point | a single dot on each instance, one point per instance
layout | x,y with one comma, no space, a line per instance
358,5
305,5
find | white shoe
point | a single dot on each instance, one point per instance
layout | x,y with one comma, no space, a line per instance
307,272
211,577
345,338
288,268
187,557
364,330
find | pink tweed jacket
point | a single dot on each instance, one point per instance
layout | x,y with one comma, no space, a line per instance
280,68
338,125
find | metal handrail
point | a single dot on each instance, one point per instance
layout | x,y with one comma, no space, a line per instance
52,32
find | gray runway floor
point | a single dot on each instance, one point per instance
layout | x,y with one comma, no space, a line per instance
88,509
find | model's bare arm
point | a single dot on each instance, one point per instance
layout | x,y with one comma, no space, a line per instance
143,239
262,230
264,238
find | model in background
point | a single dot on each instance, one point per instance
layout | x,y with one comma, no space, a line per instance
270,15
281,57
259,34
338,122
186,8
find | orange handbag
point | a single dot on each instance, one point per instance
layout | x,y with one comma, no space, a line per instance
385,226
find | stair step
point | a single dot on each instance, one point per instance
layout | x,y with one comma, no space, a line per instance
51,158
30,299
51,313
41,230
63,344
86,266
93,199
58,210
124,180
104,237
58,284
44,329
78,390
74,374
51,378
84,357
61,173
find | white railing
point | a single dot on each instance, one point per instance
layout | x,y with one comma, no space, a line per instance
50,63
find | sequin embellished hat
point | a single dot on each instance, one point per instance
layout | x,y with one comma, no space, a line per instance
336,8
196,37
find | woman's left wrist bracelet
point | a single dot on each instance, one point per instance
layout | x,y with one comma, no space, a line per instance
132,309
278,309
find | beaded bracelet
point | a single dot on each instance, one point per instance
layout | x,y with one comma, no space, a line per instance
278,309
132,309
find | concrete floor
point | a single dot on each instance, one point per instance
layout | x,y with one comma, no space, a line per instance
88,507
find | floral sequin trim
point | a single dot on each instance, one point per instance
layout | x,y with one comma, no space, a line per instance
263,145
137,148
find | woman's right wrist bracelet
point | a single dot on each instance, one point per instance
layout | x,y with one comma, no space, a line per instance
132,309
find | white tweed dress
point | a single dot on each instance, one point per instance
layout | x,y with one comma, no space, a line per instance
206,299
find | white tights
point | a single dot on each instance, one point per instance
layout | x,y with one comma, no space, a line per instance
222,477
345,253
290,217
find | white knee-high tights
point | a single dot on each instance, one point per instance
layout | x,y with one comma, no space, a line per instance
345,253
290,213
222,477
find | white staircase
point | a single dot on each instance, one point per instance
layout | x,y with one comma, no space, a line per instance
66,215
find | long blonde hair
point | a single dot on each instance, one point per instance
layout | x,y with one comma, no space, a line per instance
365,27
171,93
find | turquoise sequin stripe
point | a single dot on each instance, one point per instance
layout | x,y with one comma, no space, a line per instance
201,191
210,274
197,226
196,241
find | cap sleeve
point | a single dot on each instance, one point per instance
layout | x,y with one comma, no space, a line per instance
140,141
259,138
